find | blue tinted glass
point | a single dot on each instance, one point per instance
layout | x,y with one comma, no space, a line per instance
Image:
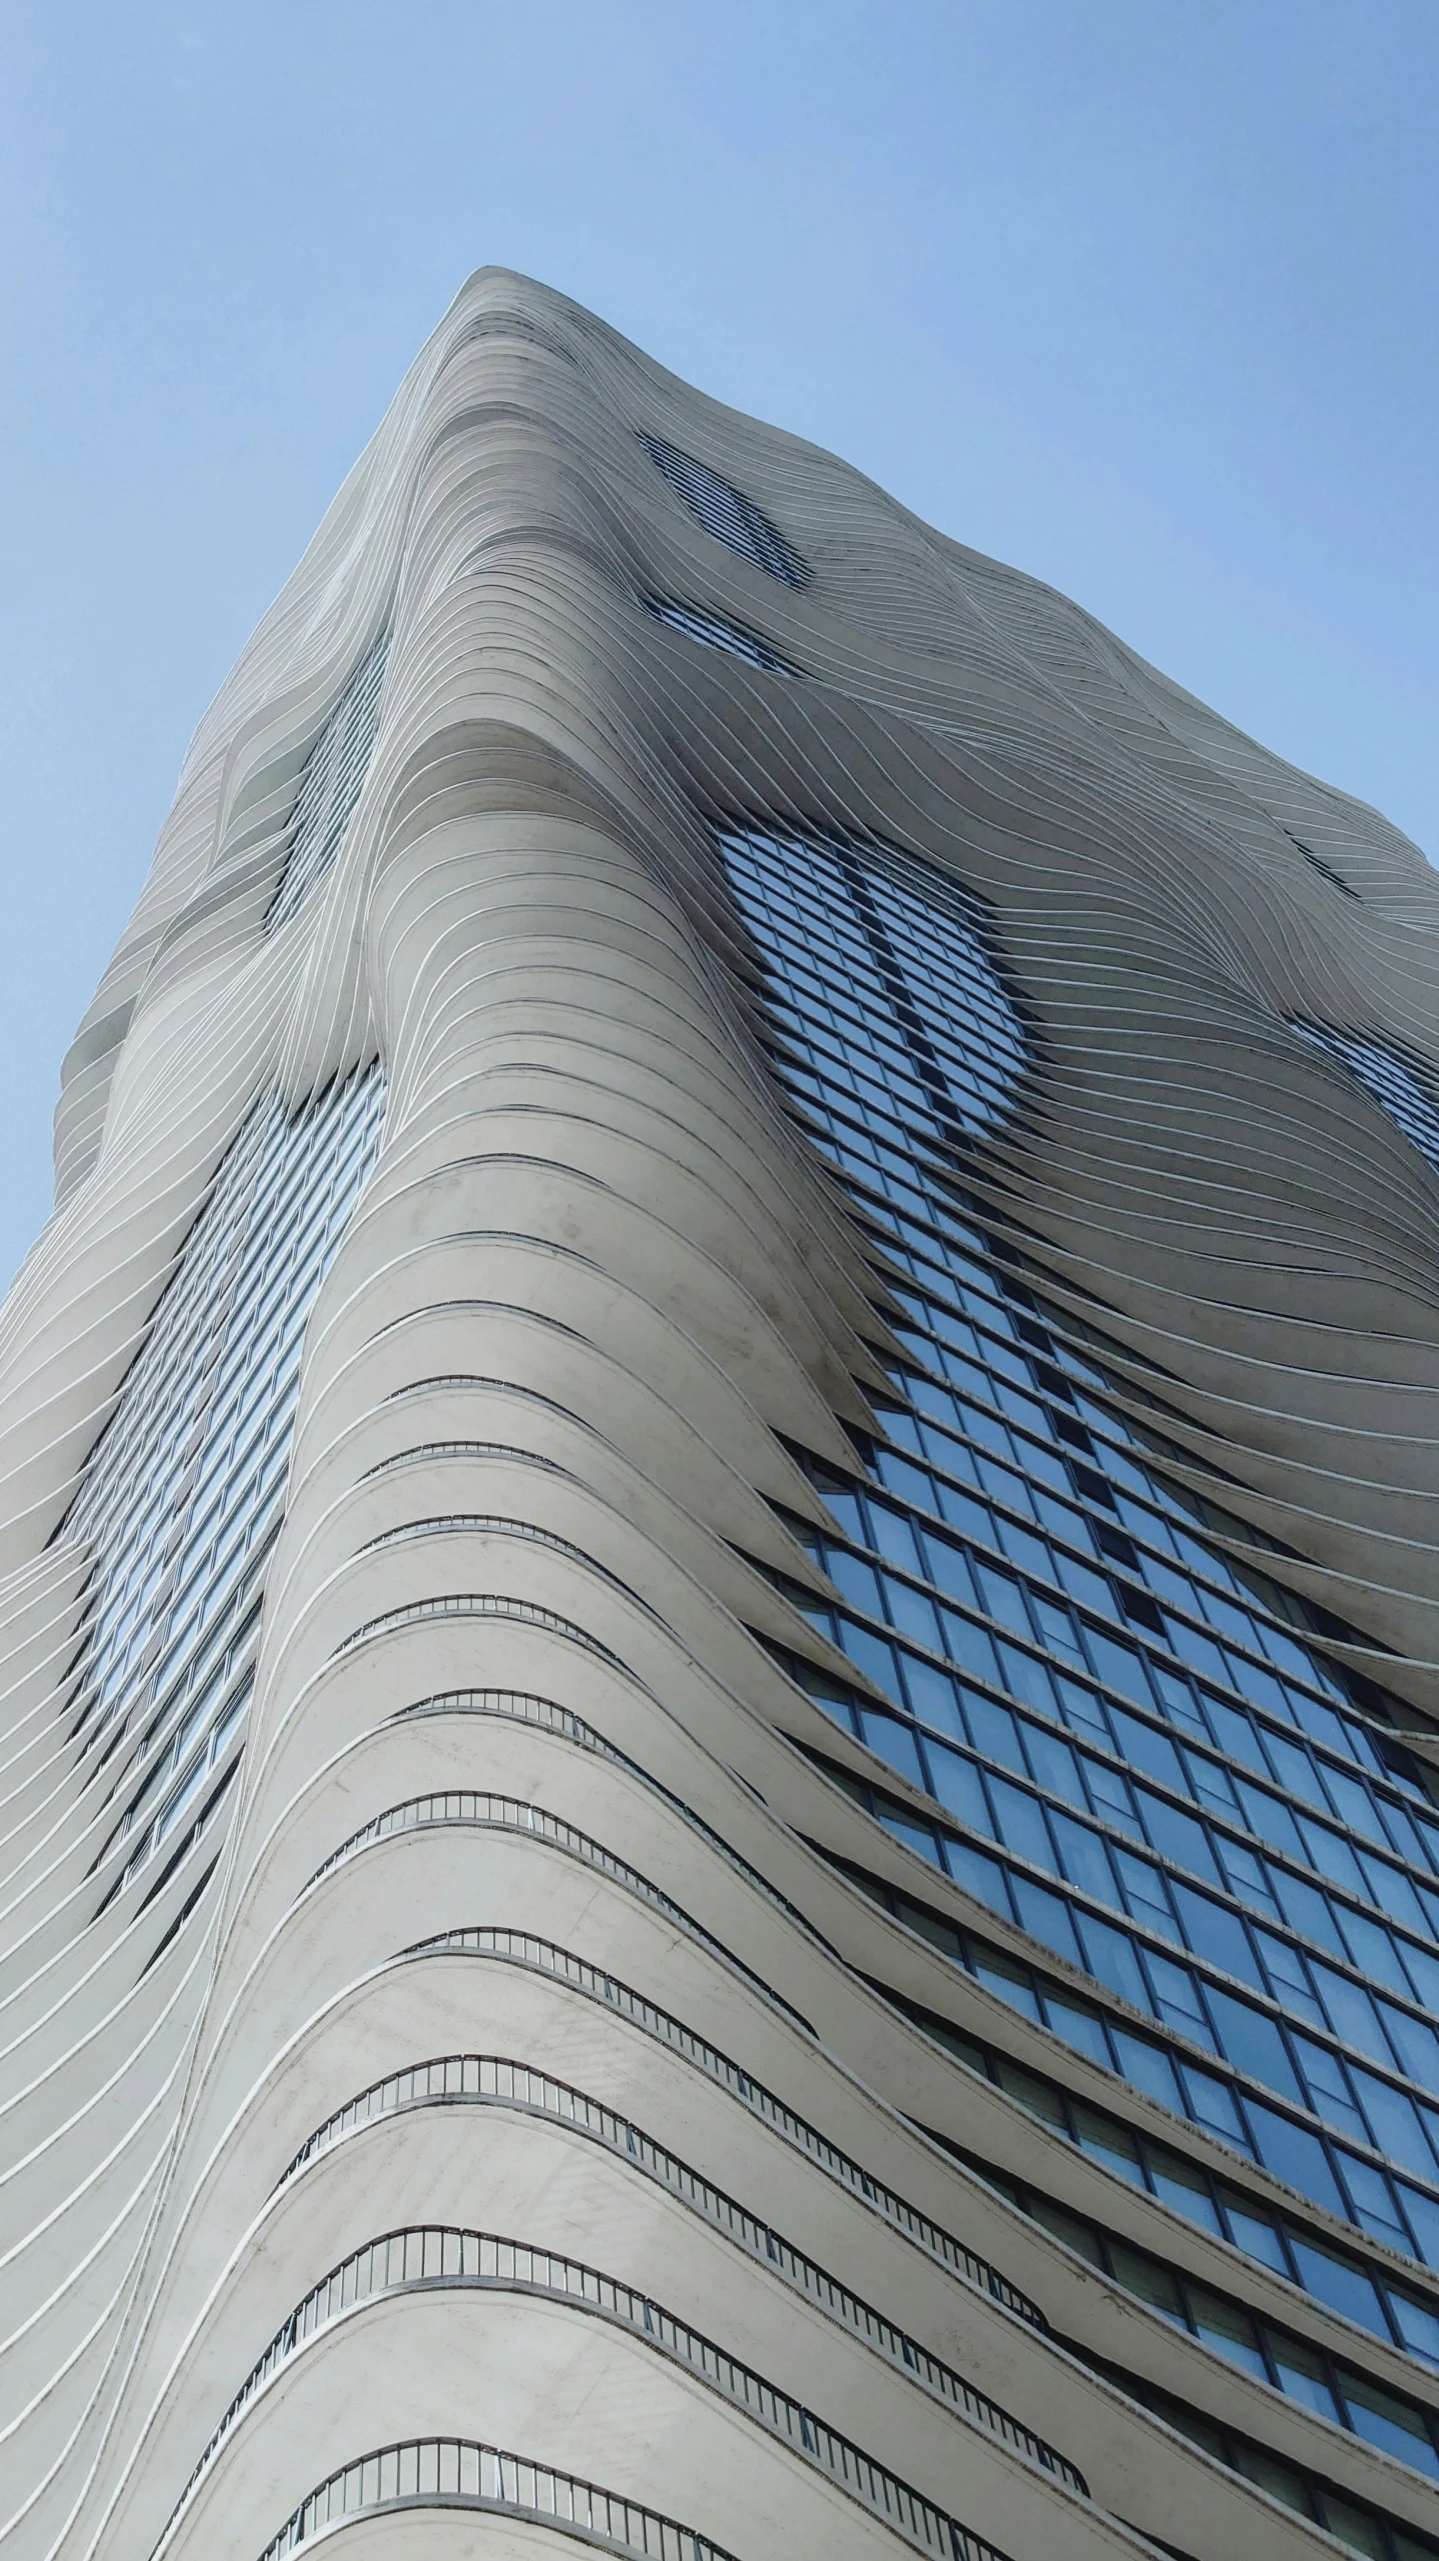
1417,2325
1020,1823
1047,1917
179,1506
896,1743
917,1014
1178,1835
1400,1090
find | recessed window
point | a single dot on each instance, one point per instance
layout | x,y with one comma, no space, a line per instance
1325,870
725,512
330,786
718,632
925,1016
185,1487
1404,1092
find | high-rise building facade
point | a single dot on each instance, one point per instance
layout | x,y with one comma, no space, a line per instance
722,1741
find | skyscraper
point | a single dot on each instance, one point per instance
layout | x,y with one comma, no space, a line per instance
722,1792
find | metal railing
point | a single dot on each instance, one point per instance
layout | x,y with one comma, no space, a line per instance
519,1947
499,2081
488,1812
433,2256
454,2472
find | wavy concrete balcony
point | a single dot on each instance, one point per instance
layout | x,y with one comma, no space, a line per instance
507,2036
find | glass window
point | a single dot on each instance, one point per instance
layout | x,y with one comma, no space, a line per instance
1199,1651
956,1783
895,1742
1025,1677
912,1612
1254,2043
1053,1765
1392,2425
1397,2122
1351,2012
914,1834
1293,1768
1233,1732
1216,1933
1328,2084
1374,2201
1296,2157
1400,1090
1145,1748
1112,1796
1176,1998
1178,1836
1213,2103
1082,1708
1416,2323
169,1477
1057,1628
874,1655
1148,2067
1337,2282
1247,1876
1142,2276
894,1536
968,1645
994,1730
1047,1917
1114,1959
1084,1858
1331,1854
1010,1981
857,1581
1072,2229
1078,2025
1117,1664
1020,1823
1083,1584
1353,1804
964,1512
873,925
1360,2531
1306,1909
1255,2232
1179,2183
1414,2042
716,631
1001,1596
1289,1978
330,785
980,1876
931,1694
1396,1895
1270,1817
1225,2327
1146,1897
1303,2373
726,513
1177,1699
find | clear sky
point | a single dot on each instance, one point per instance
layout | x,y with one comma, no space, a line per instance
1137,294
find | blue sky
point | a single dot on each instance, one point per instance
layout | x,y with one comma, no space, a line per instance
1137,294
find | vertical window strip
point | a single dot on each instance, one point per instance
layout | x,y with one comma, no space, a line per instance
185,1486
330,785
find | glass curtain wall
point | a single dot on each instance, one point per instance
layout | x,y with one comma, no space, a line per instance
1135,1752
184,1490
